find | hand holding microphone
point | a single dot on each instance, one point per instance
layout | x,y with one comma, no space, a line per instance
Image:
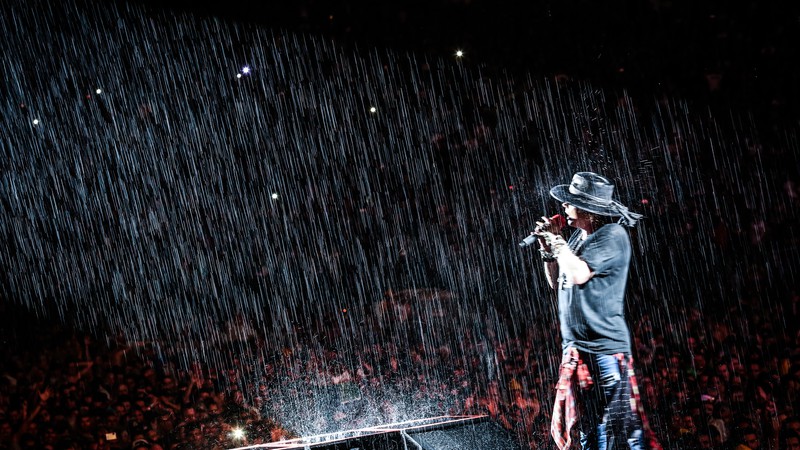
552,224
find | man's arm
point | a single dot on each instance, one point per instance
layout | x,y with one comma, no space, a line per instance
575,268
549,263
551,272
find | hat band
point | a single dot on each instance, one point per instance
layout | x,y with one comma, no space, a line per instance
602,201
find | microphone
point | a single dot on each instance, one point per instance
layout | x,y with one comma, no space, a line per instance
557,220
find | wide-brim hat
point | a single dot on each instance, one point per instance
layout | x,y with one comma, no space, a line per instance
594,193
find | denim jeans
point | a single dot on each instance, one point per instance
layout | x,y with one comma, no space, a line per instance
605,421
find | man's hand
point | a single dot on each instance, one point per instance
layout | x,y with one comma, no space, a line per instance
553,243
45,395
549,224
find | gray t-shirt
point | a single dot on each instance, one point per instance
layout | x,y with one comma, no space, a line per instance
592,315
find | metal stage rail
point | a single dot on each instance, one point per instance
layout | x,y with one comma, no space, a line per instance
434,433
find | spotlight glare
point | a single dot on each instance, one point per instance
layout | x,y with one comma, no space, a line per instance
238,75
245,70
373,110
459,53
99,91
274,196
36,121
237,433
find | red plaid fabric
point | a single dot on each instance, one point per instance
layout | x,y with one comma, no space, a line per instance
574,372
565,412
651,441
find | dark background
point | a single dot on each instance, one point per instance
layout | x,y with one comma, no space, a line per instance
720,205
732,54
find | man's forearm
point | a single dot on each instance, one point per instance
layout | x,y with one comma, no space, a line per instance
575,268
550,272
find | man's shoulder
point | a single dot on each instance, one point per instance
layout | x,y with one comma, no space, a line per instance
612,229
612,234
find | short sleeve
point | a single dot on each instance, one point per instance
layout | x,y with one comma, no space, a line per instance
606,249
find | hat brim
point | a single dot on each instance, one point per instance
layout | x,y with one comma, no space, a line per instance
562,194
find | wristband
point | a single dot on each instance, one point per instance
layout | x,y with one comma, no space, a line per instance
546,256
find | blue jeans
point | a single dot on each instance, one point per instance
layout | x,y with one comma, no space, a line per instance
605,422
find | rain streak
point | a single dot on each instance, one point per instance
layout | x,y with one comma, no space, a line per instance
338,226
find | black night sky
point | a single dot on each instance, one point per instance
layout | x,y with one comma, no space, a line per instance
747,49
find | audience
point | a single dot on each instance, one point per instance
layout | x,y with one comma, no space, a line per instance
720,380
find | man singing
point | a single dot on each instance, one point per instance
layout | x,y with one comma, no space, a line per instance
596,388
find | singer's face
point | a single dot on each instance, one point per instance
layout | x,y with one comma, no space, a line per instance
575,217
571,212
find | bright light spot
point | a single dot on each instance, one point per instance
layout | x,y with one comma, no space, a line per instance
237,433
373,110
459,53
245,70
98,91
238,75
274,196
36,121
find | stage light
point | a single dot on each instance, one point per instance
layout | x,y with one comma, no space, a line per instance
36,121
373,110
274,196
238,75
237,433
459,53
246,70
98,91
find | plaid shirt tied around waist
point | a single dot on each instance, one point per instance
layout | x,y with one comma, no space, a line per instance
574,373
